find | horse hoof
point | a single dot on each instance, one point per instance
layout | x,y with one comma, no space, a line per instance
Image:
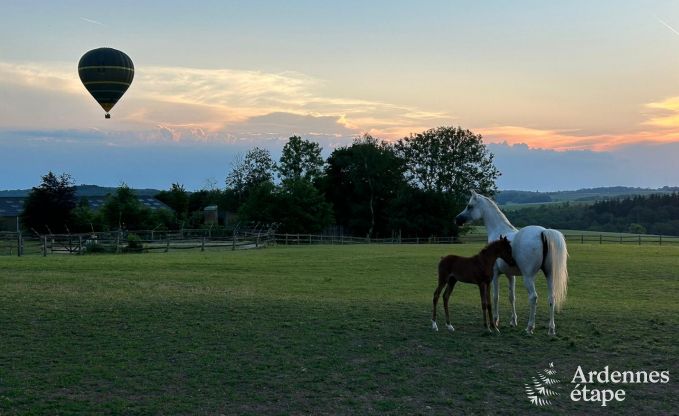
529,331
434,326
513,322
450,328
496,322
551,331
497,330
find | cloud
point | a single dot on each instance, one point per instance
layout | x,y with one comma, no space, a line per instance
225,100
642,165
673,30
661,125
95,22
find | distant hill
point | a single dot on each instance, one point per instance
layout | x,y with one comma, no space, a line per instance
80,191
581,195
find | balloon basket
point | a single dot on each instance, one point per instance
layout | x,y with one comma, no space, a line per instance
107,115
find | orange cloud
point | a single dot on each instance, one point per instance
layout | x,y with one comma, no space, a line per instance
570,140
661,126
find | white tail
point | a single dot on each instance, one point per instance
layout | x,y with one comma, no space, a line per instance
557,257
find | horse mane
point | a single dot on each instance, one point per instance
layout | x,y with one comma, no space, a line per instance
499,211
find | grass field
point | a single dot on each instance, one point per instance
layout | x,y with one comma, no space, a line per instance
320,330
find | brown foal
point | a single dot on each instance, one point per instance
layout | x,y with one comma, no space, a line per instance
478,270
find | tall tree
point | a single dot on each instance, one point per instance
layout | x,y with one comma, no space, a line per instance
448,159
301,159
178,199
123,209
256,167
48,206
361,181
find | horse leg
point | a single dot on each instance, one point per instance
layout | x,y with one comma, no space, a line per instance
512,298
496,296
529,283
490,309
550,299
435,301
446,296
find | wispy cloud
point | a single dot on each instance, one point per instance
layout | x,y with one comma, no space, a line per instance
673,30
96,22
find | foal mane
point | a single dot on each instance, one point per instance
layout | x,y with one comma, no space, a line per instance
493,246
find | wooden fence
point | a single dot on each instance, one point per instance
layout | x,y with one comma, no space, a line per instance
18,244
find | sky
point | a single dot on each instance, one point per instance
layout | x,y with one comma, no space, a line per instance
566,94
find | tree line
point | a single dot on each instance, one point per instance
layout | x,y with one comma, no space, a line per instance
650,214
411,187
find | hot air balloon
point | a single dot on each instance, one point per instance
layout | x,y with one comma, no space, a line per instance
106,73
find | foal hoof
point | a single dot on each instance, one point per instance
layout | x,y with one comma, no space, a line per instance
513,321
434,326
496,330
529,330
496,322
450,328
551,331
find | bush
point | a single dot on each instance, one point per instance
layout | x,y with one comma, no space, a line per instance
134,243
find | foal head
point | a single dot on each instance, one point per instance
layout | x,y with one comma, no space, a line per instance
501,248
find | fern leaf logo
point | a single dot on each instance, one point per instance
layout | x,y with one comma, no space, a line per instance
540,391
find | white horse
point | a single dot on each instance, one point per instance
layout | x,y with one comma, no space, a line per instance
534,248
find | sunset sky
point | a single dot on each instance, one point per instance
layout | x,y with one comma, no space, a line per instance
566,94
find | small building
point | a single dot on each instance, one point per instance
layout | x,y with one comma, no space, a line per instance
10,211
211,215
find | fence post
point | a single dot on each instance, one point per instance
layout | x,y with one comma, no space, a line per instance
202,244
309,239
167,247
19,244
44,246
233,242
601,239
660,241
286,239
639,239
582,239
80,244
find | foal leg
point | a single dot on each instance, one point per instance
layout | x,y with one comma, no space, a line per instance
512,299
483,289
435,301
446,296
529,283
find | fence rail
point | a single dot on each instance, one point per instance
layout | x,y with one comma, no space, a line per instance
18,244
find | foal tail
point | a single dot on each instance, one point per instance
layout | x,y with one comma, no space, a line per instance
555,262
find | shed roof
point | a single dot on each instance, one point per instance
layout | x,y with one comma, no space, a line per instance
14,206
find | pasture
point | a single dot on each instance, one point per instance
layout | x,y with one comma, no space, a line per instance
321,330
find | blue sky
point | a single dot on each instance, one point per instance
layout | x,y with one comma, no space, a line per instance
585,93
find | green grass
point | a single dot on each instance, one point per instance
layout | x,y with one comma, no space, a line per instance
319,330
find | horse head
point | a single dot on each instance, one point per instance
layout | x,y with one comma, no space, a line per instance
504,249
472,211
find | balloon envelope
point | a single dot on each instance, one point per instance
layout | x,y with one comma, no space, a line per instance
106,73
